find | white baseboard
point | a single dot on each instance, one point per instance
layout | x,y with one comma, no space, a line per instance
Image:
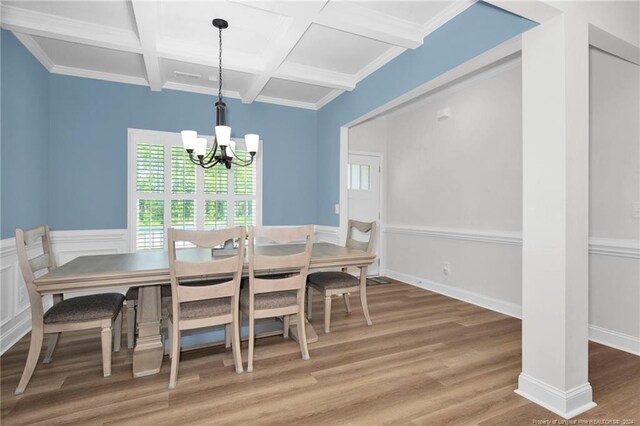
567,404
614,339
491,303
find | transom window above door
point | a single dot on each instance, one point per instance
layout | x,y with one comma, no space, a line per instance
167,190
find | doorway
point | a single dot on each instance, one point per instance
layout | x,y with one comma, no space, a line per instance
363,186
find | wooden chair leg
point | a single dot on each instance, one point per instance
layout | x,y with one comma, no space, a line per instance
170,335
51,346
131,323
117,332
327,314
227,336
175,355
302,335
309,302
251,342
235,346
35,346
363,295
347,305
107,339
285,321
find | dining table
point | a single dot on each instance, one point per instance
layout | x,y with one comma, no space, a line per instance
148,270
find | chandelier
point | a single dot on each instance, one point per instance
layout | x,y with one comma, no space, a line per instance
223,150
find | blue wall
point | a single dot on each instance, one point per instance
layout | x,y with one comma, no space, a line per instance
479,28
88,148
79,129
24,146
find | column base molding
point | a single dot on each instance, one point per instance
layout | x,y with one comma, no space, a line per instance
567,404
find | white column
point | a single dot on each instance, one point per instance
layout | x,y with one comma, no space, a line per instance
555,79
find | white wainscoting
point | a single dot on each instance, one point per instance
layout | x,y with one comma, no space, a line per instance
618,248
15,311
327,234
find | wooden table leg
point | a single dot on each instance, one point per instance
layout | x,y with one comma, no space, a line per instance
149,350
312,336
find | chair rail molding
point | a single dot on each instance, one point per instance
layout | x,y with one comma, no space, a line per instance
15,315
618,247
327,234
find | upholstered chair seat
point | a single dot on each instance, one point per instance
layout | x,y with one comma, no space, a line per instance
279,299
333,280
85,308
202,308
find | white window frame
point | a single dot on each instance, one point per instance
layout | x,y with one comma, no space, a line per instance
169,139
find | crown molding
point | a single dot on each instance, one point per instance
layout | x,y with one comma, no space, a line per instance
328,98
380,61
316,76
34,48
286,102
99,75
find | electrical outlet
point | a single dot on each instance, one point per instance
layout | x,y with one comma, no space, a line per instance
446,268
337,208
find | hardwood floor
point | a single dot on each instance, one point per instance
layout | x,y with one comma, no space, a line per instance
428,359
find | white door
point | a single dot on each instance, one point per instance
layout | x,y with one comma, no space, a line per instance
363,184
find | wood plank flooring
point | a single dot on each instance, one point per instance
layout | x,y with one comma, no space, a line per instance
428,359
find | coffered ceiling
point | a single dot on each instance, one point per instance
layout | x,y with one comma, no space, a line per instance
296,53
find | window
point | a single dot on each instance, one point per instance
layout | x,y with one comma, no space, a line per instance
167,190
359,177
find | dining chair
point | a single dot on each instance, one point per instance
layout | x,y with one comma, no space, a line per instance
78,313
269,297
198,305
341,283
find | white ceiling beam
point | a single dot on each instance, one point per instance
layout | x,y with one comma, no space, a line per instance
352,18
316,76
46,25
145,14
281,46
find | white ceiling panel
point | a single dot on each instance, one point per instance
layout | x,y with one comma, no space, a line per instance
81,56
294,91
250,30
301,53
112,13
338,51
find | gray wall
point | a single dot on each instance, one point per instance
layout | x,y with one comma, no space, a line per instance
454,192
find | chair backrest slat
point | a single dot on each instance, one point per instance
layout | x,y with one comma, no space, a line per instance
218,266
208,266
295,263
45,261
212,291
363,227
276,284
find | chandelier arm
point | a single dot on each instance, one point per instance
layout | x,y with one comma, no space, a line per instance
242,163
212,152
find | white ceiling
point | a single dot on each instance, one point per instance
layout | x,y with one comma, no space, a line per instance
296,53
